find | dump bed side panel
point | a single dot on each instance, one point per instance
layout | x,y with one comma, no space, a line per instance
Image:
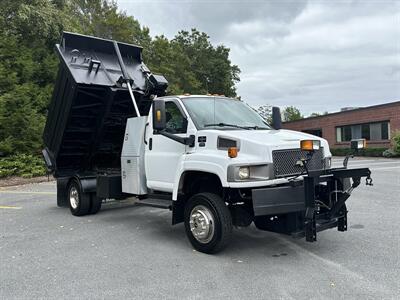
91,103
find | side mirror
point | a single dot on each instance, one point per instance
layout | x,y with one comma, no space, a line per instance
276,118
159,119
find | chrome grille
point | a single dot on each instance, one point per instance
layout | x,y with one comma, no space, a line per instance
285,161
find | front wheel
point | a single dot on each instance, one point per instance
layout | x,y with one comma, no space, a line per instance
208,222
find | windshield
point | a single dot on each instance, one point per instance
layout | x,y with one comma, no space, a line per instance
223,113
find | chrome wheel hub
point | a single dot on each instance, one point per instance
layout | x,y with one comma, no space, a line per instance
202,224
74,197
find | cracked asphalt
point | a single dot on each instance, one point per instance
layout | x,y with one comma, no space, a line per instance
131,251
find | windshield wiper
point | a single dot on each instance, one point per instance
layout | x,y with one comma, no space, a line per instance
256,127
227,125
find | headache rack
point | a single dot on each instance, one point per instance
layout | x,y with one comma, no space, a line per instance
91,103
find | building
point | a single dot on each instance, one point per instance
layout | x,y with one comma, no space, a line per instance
374,123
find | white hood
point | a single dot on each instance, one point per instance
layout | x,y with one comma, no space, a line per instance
251,140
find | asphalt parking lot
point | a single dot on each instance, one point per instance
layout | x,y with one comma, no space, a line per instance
130,251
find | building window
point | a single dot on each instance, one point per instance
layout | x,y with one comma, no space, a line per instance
369,131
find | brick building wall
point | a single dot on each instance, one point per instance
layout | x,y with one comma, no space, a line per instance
328,123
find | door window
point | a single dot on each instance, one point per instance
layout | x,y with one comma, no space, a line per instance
175,121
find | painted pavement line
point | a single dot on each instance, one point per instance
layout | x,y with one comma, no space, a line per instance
9,207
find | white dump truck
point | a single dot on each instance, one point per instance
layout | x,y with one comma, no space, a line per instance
111,133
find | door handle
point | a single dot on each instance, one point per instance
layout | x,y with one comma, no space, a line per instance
144,135
150,143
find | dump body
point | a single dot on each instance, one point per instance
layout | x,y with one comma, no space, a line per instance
91,103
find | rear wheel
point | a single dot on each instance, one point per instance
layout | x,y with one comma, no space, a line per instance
208,222
79,202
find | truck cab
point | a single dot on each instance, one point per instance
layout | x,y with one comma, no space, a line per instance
216,125
111,133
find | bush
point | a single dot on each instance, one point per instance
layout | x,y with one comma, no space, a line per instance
373,152
389,153
24,165
396,142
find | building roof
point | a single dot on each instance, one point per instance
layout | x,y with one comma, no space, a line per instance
347,111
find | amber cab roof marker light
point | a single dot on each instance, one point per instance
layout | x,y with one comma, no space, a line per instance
232,152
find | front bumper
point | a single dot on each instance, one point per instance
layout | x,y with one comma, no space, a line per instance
302,208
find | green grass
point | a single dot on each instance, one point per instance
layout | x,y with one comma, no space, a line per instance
24,165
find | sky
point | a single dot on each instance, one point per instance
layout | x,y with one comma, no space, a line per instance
316,55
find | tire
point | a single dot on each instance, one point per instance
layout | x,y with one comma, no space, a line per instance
95,204
79,202
217,231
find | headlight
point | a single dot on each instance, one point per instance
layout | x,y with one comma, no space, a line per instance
249,172
244,172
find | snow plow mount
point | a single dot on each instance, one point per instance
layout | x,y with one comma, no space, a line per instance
336,215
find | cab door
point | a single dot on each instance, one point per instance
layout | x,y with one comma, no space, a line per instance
163,156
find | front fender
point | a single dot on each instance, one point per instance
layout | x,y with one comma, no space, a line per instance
207,167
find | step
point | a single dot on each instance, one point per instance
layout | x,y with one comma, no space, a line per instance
158,203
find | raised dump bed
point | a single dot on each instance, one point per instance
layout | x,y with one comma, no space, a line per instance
91,103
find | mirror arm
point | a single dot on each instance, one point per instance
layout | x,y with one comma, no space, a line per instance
183,140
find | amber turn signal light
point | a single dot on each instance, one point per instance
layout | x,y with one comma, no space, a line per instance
232,152
158,115
310,145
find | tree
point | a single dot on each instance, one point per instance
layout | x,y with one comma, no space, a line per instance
265,111
22,132
292,113
315,114
27,71
28,64
210,65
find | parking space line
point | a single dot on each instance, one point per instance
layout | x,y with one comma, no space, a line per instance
9,207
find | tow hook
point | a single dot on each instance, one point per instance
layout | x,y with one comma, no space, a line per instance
368,181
